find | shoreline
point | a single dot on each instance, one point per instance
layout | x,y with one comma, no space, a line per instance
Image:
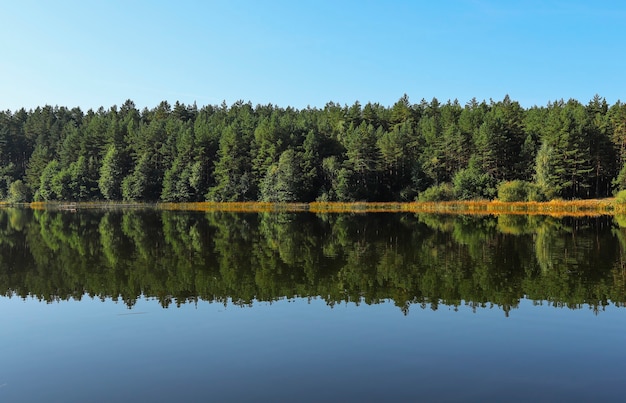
592,207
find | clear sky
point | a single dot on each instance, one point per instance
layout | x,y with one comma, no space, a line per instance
308,52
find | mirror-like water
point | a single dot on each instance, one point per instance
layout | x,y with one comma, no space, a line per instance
171,306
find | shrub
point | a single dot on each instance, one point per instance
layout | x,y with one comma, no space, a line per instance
442,192
513,191
19,192
536,193
520,191
470,183
620,197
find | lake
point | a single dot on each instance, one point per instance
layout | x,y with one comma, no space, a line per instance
150,305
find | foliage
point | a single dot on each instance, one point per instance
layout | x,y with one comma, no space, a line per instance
619,183
441,192
183,153
283,181
520,191
111,175
544,171
620,197
472,183
19,192
142,184
49,182
513,191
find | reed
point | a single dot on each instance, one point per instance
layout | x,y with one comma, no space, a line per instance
243,207
96,205
554,207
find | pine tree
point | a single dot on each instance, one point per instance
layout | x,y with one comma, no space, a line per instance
111,175
232,169
359,174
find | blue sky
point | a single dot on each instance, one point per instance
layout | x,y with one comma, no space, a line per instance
308,52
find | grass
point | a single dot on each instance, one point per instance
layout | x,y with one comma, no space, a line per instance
554,207
260,207
592,207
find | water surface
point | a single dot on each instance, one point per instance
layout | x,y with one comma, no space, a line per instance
170,306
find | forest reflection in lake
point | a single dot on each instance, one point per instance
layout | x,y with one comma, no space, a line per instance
423,260
297,306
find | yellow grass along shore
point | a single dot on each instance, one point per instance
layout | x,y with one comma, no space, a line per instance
592,207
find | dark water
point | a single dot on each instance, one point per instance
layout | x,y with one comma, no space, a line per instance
170,306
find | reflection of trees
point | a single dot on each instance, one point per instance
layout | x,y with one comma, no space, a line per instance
618,273
425,260
575,258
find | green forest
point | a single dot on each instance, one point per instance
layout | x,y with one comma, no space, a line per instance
428,151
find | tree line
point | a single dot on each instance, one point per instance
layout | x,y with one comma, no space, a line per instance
425,151
413,260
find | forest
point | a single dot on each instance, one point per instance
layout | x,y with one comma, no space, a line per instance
428,151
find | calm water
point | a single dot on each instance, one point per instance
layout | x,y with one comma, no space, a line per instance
170,306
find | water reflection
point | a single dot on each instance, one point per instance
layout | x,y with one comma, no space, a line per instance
412,260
